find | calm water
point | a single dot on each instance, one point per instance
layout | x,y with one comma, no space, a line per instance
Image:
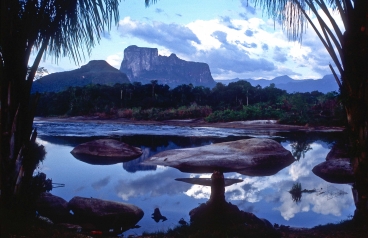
149,187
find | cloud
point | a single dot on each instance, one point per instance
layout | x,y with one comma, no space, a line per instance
249,33
153,184
227,22
174,37
220,36
159,10
247,7
229,58
279,55
115,59
106,35
101,183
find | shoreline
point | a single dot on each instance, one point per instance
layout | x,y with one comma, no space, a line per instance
250,125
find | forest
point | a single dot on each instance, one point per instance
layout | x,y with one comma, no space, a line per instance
232,102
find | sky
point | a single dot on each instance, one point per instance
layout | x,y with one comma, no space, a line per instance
235,39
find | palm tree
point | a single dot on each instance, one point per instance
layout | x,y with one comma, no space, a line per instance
55,27
348,49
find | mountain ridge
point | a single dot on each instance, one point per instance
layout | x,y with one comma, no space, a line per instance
323,85
94,72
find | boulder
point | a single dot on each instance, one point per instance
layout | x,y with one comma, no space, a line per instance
105,151
235,156
335,171
337,152
104,214
53,207
337,167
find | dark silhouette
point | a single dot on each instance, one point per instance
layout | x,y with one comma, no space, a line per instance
156,215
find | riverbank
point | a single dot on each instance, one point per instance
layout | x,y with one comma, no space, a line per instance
270,125
345,229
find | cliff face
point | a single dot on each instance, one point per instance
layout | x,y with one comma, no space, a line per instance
144,64
95,72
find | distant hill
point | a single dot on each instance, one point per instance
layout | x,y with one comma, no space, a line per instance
143,65
324,85
95,72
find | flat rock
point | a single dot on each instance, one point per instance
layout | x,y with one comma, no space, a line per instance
53,207
105,151
335,171
248,154
105,214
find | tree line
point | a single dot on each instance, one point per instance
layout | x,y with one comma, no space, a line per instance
235,101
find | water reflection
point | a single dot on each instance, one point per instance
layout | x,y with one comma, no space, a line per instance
157,216
267,197
296,192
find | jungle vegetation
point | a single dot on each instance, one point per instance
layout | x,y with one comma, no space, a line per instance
233,102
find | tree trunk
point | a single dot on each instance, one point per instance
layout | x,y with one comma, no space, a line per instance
355,95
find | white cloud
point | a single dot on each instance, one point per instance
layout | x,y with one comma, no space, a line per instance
115,59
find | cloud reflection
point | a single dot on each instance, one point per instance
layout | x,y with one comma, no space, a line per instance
275,189
101,183
153,185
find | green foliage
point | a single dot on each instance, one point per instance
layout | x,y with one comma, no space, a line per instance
256,112
194,111
237,101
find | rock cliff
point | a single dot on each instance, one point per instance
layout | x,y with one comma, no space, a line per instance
95,72
144,64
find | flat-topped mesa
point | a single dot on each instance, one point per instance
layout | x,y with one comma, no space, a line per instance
143,65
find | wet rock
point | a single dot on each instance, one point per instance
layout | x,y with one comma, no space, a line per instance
242,155
53,207
105,151
337,152
70,227
337,167
335,171
45,220
104,214
222,214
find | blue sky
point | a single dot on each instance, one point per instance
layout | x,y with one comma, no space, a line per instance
236,40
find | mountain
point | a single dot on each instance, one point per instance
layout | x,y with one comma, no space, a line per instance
95,72
324,85
143,65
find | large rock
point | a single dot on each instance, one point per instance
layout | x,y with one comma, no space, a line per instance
235,156
335,171
105,151
53,207
337,167
105,214
95,72
142,64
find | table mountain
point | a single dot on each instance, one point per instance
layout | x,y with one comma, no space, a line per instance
143,65
95,72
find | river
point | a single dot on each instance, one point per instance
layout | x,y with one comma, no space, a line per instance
150,187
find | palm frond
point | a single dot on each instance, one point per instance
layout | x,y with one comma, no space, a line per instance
74,27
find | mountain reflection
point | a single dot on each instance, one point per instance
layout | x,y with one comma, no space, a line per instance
265,196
